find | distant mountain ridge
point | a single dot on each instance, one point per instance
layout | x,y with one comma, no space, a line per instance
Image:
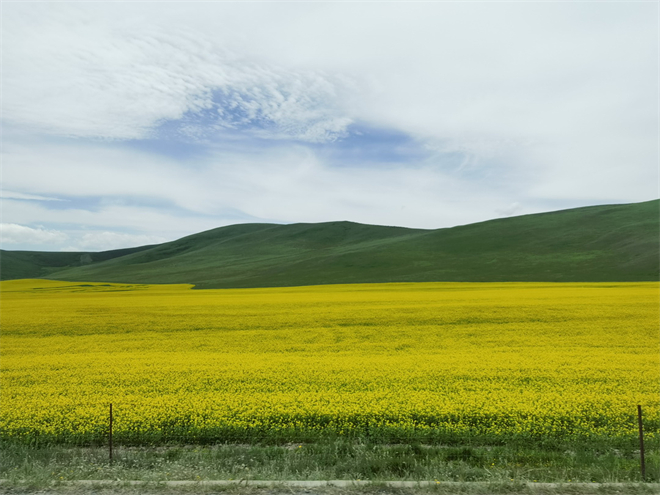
596,243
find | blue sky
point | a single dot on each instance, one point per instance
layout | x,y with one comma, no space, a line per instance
134,123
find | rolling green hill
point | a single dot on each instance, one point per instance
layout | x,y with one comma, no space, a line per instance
598,243
37,264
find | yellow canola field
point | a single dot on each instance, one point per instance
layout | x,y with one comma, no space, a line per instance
391,362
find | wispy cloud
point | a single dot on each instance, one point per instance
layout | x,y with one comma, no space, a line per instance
27,197
12,234
70,73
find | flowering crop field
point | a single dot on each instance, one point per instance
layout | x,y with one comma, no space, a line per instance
432,362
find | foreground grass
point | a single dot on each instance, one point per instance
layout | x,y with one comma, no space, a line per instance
46,465
373,489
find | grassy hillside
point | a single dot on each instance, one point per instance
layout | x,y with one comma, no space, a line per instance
38,264
599,243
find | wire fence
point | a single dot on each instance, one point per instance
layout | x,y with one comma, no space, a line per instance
394,455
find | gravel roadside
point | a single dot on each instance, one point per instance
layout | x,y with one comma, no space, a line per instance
338,487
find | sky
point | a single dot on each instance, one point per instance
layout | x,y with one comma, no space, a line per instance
125,124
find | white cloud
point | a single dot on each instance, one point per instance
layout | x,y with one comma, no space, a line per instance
105,241
11,233
15,236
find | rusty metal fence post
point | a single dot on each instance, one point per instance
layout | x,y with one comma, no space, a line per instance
641,442
110,434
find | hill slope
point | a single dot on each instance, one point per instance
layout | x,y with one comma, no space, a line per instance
599,243
38,264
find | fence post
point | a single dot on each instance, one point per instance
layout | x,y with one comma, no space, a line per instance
641,442
110,433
